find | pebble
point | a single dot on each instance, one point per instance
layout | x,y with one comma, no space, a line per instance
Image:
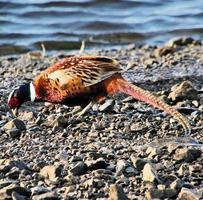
188,155
183,91
7,191
113,142
79,169
107,106
149,173
46,196
51,172
121,166
138,163
189,194
15,123
116,193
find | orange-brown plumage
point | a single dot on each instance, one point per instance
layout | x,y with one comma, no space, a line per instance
78,80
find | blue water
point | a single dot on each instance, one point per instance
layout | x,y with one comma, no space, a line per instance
62,25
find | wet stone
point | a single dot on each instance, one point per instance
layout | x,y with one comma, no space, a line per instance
182,41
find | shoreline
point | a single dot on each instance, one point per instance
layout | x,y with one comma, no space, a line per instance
123,148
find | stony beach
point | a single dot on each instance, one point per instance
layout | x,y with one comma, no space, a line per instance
121,149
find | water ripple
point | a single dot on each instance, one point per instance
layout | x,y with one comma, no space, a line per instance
27,24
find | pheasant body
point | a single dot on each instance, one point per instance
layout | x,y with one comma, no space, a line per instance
78,80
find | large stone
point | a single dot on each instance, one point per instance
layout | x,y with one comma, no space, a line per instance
182,41
176,185
121,166
6,165
183,91
15,123
79,169
149,173
39,190
16,196
107,106
116,193
51,172
46,196
188,155
189,194
138,163
7,191
97,164
154,193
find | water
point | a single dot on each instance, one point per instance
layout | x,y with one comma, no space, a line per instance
62,25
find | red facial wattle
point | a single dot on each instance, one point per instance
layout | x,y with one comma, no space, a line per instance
14,102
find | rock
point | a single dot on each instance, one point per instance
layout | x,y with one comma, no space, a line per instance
27,116
39,190
107,106
149,173
189,194
150,61
14,133
188,155
152,152
51,172
8,190
5,183
6,165
93,183
163,51
116,193
46,196
183,170
154,193
79,169
183,91
16,196
15,123
138,162
97,164
195,168
121,166
130,170
183,41
176,185
14,173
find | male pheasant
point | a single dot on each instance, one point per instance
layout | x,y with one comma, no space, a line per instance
78,80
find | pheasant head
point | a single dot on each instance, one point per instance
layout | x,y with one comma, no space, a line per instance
20,95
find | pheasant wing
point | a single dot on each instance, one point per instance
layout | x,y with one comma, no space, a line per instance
87,71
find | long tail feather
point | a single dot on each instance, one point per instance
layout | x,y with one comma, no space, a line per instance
140,94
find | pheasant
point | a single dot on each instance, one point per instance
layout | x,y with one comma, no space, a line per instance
79,80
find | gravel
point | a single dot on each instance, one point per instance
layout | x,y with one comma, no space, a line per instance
122,149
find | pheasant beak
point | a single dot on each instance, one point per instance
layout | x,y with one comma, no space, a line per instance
14,112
